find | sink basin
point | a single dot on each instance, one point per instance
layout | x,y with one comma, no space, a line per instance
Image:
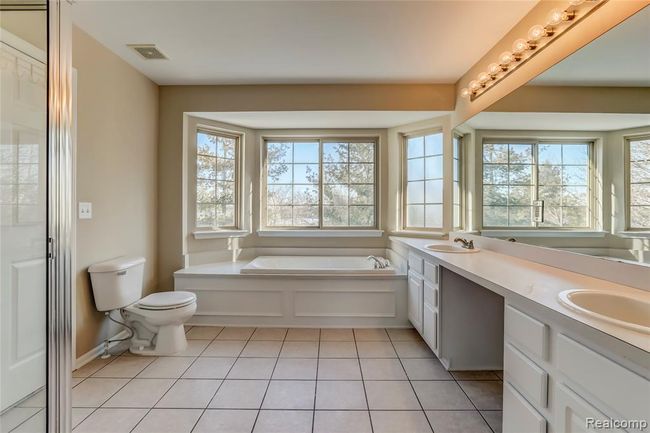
446,248
621,310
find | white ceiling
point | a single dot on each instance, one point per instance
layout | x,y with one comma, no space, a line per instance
621,57
558,121
262,42
320,119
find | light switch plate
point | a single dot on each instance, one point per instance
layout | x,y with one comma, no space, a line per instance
85,210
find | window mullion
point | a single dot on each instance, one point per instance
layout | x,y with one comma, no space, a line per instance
320,184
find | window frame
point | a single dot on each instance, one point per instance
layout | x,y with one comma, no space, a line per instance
404,180
628,180
535,142
320,139
238,137
461,180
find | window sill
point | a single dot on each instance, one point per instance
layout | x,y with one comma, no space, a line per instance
543,233
430,234
634,234
321,233
219,234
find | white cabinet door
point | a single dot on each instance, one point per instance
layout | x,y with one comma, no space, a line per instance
430,327
415,292
518,415
575,415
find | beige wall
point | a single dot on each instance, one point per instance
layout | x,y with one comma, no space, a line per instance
31,26
117,132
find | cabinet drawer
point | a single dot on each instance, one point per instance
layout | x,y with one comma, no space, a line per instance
573,414
620,389
430,294
526,376
518,415
431,272
526,333
416,263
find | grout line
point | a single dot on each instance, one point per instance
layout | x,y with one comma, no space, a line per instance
28,418
313,413
365,392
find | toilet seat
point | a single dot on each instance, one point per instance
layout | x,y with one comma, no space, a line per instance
166,301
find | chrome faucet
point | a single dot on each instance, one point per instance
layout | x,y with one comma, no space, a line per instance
379,262
465,243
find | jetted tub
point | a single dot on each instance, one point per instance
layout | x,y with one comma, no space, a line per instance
314,265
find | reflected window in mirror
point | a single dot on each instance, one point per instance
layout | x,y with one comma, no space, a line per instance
423,181
537,184
638,176
457,179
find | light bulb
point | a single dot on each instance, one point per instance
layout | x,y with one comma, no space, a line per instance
506,58
484,77
536,33
555,17
464,92
576,2
474,86
519,46
494,69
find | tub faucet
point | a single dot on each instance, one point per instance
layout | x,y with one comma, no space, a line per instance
465,243
379,262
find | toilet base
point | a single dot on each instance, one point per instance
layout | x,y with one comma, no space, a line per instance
169,339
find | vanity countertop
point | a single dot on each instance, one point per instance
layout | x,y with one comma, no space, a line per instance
540,283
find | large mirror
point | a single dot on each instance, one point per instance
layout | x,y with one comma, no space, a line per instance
564,161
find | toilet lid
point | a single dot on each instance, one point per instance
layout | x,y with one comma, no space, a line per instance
166,300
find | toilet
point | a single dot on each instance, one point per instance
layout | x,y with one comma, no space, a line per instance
156,320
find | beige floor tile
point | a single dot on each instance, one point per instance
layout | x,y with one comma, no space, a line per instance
76,381
303,334
111,421
16,416
221,421
209,368
339,394
269,334
441,395
296,368
92,367
125,366
35,424
338,369
252,368
336,335
371,334
413,349
93,392
399,422
494,419
290,394
166,368
375,349
382,369
194,348
38,400
404,335
486,395
240,394
474,375
190,394
79,414
342,421
283,421
224,348
391,395
299,349
203,332
235,334
140,393
262,349
337,349
169,421
444,421
425,369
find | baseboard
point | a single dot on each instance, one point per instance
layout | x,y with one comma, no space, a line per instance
98,350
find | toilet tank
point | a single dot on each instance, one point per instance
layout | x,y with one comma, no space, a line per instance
117,282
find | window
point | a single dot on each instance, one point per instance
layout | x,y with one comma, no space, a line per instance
536,184
639,183
217,171
320,183
423,181
457,182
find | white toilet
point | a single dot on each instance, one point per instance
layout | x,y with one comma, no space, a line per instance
157,319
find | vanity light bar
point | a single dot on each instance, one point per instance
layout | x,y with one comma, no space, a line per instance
539,36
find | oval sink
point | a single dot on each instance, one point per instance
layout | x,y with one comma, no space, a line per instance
446,248
617,309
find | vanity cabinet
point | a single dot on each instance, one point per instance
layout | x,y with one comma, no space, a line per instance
415,300
423,298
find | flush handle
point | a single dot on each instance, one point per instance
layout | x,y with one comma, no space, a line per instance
120,273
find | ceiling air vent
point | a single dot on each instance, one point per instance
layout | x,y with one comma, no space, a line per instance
148,51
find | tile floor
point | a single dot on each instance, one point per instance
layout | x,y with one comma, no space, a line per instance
268,380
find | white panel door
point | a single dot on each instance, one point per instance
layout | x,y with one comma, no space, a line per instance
415,292
23,93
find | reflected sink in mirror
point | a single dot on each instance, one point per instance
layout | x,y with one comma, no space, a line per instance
617,309
446,248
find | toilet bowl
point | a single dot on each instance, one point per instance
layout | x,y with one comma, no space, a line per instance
156,320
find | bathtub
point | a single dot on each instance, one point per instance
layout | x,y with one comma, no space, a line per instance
314,265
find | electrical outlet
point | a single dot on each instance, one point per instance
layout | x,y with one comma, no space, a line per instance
85,210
